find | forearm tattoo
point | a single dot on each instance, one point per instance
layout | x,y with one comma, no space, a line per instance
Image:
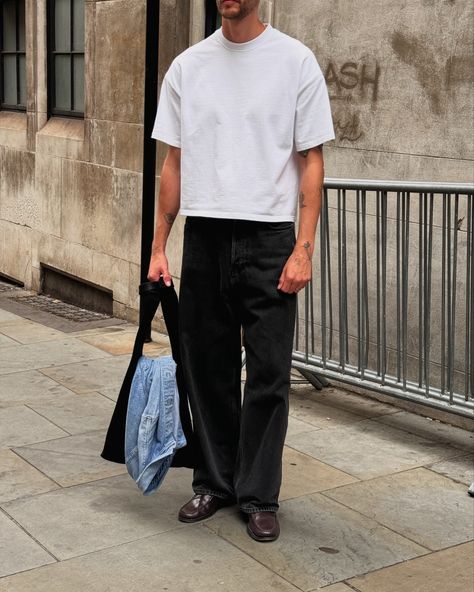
301,197
307,248
170,218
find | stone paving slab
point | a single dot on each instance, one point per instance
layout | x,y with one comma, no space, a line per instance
21,426
320,415
8,317
350,402
368,449
303,475
85,518
18,478
91,375
32,386
337,588
72,460
26,331
189,560
459,469
450,570
430,429
122,343
321,542
59,351
6,341
296,426
18,551
77,414
421,505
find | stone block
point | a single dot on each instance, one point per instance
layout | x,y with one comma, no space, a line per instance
192,559
13,130
418,504
58,353
19,551
450,569
62,136
90,375
119,59
367,449
19,478
107,202
321,543
48,178
31,386
110,511
18,199
21,426
71,460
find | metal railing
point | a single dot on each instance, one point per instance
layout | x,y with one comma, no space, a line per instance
390,306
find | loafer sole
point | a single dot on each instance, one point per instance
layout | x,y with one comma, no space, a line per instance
262,538
198,519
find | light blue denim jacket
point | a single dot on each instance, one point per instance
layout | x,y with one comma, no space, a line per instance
153,429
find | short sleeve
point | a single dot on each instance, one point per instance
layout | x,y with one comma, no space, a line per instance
313,119
167,127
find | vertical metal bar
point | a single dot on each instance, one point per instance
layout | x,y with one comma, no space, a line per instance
358,285
365,291
297,325
443,298
427,322
405,264
344,253
322,258
469,263
339,274
311,309
306,320
378,223
398,290
329,278
384,284
471,316
449,295
452,340
421,259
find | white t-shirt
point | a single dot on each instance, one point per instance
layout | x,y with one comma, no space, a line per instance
239,112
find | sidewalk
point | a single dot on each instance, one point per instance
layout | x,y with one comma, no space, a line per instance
374,499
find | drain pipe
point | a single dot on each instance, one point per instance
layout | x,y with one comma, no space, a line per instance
149,144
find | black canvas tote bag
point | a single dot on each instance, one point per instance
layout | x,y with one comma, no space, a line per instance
151,294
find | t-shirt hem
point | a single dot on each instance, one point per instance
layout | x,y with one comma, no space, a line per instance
315,142
238,215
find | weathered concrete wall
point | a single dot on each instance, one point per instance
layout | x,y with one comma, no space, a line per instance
400,78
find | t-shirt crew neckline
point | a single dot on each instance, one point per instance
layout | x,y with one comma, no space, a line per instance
246,45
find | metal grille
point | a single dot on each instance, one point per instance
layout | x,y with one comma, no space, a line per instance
390,307
62,309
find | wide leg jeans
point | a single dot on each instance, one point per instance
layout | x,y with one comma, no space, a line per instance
229,278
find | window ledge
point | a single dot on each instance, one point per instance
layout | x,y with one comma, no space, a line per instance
63,127
13,120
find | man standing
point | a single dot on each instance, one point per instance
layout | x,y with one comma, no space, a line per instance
244,113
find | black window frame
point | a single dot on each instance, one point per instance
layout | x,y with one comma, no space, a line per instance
212,15
5,106
53,111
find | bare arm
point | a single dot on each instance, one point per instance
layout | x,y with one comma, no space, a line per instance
168,207
297,271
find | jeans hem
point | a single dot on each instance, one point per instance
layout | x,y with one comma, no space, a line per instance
214,493
254,510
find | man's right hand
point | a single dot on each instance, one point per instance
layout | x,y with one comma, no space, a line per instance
159,267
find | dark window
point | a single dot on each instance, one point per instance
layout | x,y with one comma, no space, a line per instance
66,57
12,55
213,18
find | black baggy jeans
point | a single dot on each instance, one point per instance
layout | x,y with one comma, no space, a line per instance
229,277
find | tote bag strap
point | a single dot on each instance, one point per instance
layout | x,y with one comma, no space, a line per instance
151,293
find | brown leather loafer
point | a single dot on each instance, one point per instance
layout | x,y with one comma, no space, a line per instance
200,507
263,526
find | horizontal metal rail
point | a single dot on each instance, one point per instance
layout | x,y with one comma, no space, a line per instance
390,306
